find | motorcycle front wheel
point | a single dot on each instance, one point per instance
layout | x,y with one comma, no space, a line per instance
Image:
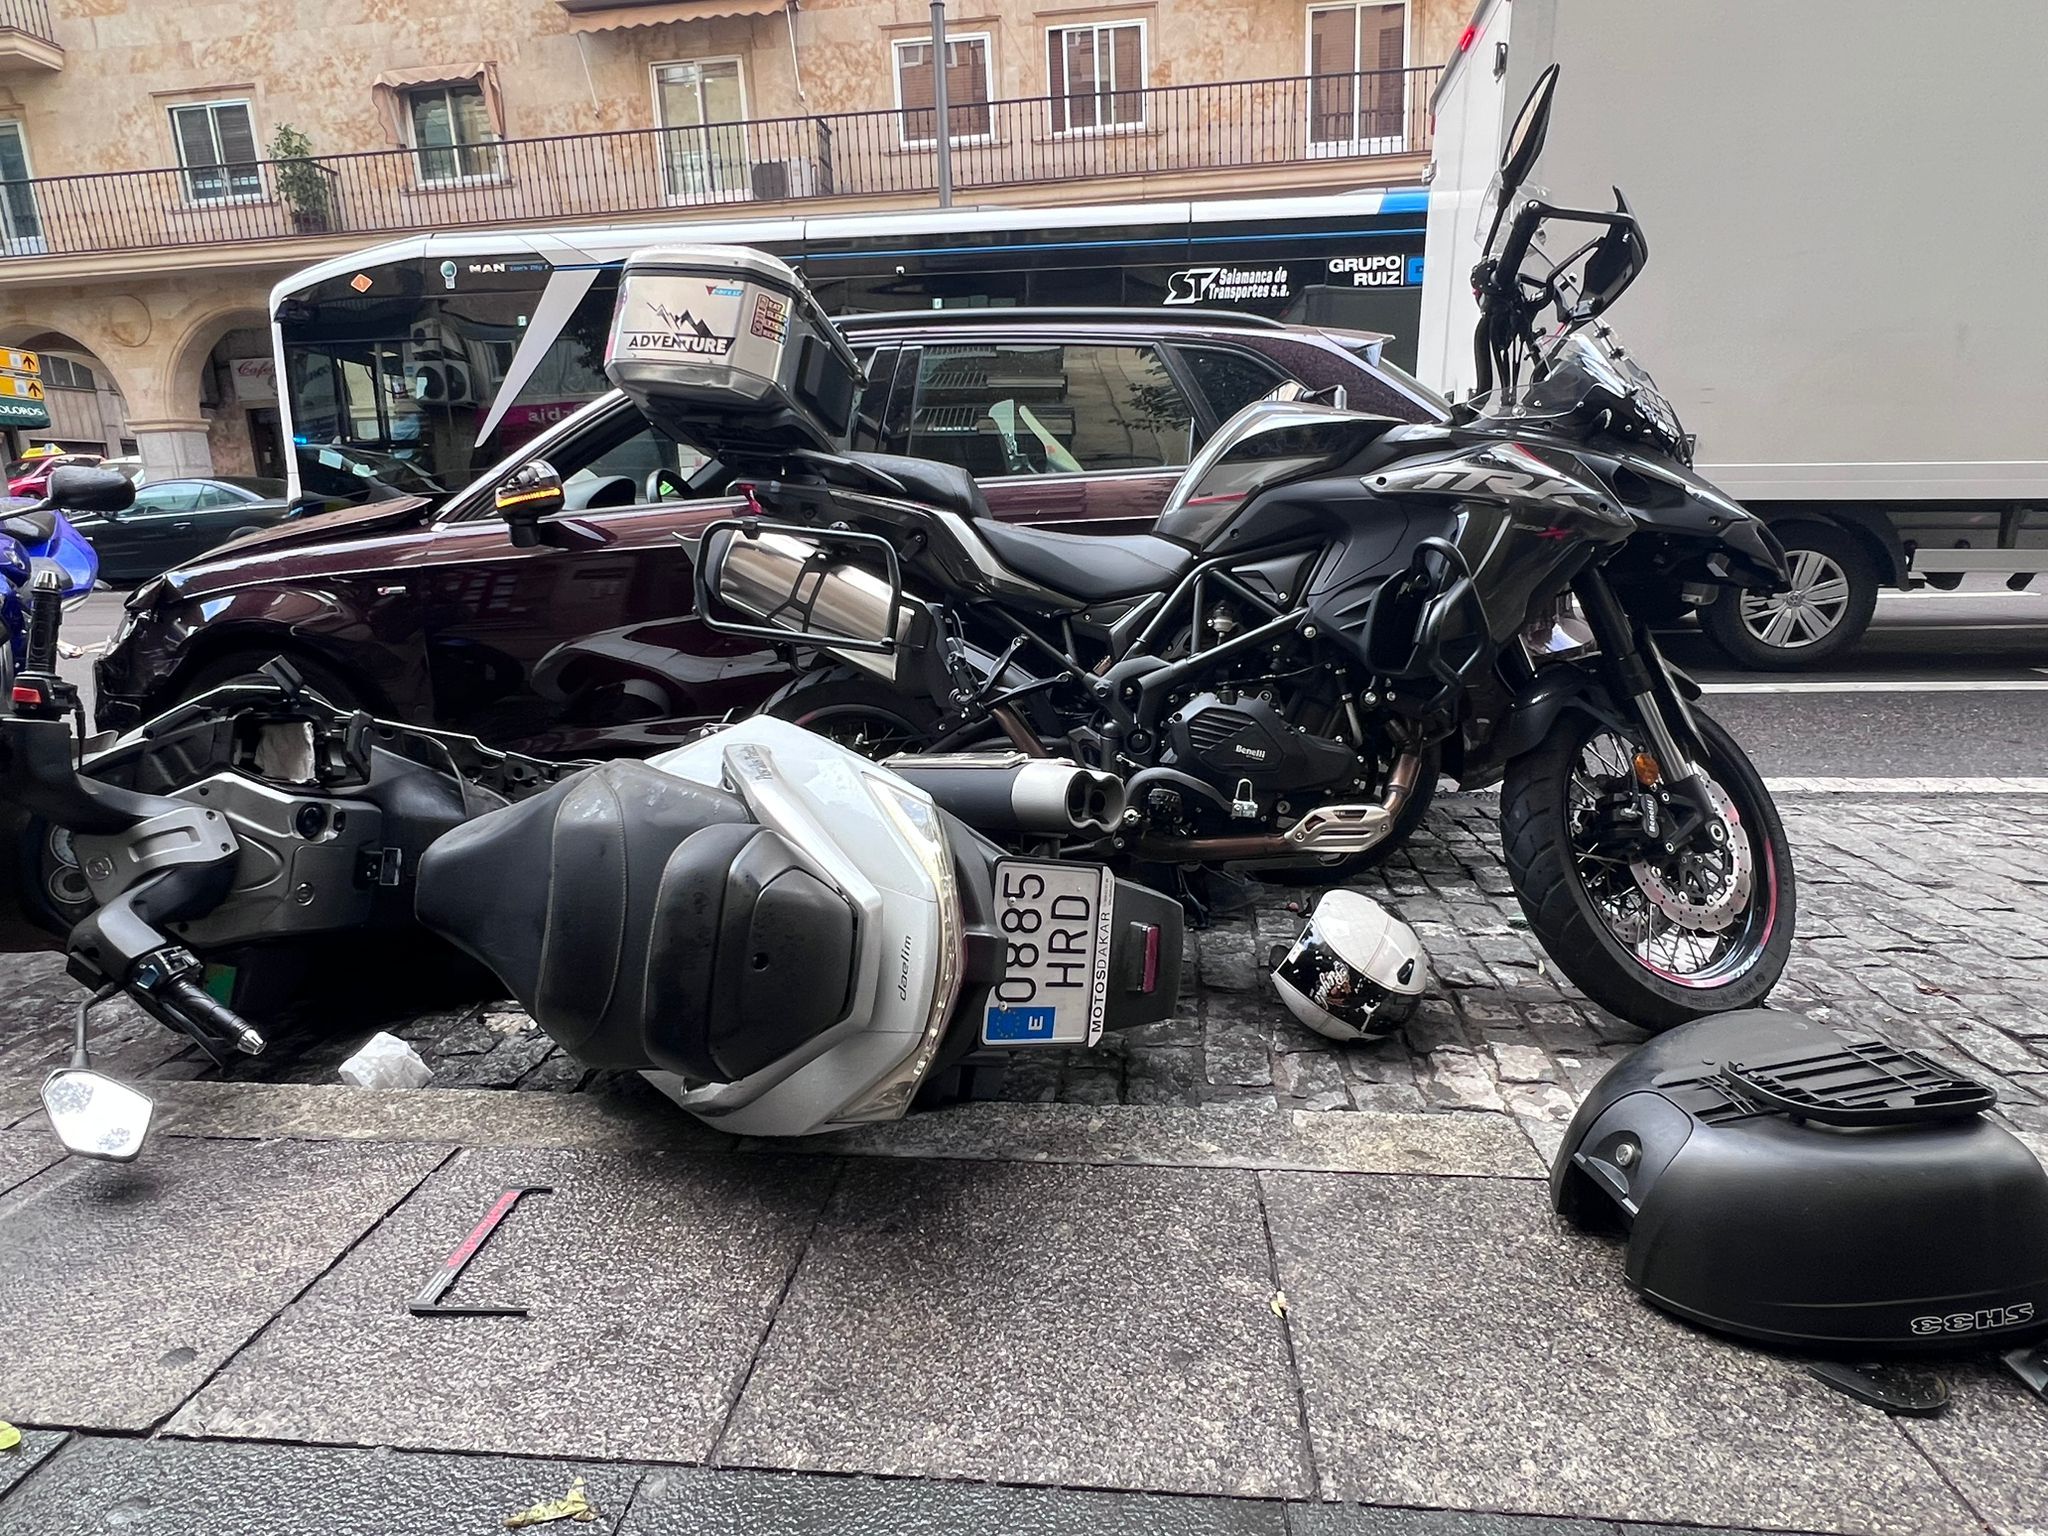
1657,940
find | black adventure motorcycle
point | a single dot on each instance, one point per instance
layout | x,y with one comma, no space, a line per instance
1334,608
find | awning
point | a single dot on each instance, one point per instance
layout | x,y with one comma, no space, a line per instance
389,88
613,15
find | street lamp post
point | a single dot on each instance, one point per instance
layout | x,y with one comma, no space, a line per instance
945,119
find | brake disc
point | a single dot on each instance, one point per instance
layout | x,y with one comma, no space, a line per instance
1723,893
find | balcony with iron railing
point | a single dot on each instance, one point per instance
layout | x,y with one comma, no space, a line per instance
27,41
1163,131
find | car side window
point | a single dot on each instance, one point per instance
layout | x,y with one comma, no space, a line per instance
1230,379
210,496
1019,408
170,496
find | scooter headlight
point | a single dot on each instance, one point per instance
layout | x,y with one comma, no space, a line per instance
923,831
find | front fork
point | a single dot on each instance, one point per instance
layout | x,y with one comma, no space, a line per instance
1640,678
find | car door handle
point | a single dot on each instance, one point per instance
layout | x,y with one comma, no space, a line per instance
181,527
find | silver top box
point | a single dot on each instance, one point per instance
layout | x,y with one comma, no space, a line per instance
724,346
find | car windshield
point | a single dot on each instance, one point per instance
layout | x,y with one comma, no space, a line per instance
333,472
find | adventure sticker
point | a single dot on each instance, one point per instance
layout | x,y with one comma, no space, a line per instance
683,332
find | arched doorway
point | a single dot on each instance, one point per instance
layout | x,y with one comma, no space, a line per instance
72,391
224,363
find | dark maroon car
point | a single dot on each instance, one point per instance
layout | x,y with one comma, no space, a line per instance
586,644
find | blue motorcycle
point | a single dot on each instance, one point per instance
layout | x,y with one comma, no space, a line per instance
44,560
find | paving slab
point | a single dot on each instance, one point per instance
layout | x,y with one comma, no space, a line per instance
1459,1348
471,1117
650,1282
35,1448
19,1098
1101,1327
1992,1444
1224,1137
177,1488
1373,1520
742,1503
145,1277
24,1154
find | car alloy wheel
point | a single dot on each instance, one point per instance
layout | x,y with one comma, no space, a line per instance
1810,609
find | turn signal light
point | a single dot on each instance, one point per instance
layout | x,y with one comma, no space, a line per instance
1647,772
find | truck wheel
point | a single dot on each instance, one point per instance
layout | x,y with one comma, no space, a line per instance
1821,614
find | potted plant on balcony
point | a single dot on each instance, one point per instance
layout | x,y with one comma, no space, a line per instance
301,182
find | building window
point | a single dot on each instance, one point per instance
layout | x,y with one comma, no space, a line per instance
967,89
217,149
702,105
1358,93
62,373
21,222
1096,74
451,129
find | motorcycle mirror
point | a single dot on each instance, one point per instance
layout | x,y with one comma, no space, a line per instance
531,492
1525,140
94,1116
84,488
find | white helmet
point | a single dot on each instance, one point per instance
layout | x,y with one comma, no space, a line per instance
1356,969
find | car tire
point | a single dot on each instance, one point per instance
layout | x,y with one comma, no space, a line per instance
247,667
1825,611
242,533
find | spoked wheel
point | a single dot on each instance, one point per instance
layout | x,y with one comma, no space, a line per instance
855,711
1658,936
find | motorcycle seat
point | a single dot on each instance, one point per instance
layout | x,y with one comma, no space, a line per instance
1091,567
946,486
645,920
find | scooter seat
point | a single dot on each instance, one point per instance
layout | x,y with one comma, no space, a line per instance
1091,567
646,921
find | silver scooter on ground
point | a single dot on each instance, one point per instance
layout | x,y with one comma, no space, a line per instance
784,936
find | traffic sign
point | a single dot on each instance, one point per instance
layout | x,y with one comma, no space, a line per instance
21,389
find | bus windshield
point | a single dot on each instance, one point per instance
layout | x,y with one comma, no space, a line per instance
390,393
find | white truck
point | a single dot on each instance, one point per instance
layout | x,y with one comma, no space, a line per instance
1846,205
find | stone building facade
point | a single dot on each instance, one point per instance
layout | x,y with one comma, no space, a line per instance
151,193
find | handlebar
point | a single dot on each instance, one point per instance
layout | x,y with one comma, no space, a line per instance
202,1008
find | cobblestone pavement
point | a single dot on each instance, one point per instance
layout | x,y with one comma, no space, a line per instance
1924,918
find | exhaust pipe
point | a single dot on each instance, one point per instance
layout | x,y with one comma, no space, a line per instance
792,584
1326,831
1009,792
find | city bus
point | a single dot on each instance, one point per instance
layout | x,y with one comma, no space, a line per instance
413,366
